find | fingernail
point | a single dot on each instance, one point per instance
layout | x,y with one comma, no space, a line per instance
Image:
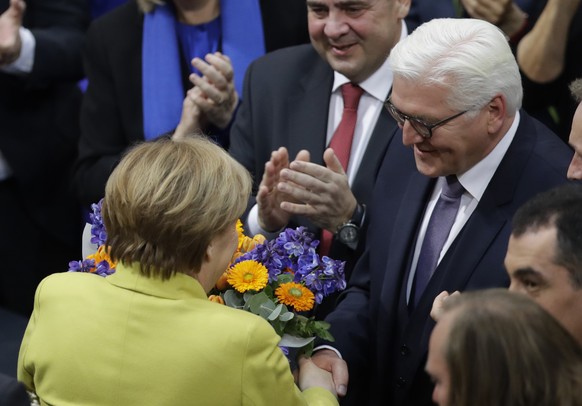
341,390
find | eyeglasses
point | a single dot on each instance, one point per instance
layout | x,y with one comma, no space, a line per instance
421,127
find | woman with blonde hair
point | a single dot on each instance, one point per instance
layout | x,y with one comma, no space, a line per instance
496,347
148,335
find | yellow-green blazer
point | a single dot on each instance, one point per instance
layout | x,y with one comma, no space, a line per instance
131,340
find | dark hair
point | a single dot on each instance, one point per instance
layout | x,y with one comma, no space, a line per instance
560,207
505,349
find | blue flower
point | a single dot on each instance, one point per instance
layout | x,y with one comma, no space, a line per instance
98,233
81,266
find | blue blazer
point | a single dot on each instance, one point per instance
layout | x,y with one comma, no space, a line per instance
384,344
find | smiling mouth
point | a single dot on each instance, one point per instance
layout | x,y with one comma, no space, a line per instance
341,49
424,150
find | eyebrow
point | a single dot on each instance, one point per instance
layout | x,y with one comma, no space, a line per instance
527,271
424,119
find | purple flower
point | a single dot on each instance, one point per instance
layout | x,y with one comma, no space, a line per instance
81,266
103,269
98,232
295,249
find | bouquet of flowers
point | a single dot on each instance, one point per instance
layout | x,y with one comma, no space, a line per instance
98,263
277,280
280,279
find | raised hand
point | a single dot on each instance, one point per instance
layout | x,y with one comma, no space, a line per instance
321,193
437,304
218,98
489,10
190,119
269,198
10,23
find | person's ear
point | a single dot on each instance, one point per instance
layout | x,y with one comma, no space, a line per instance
496,110
403,6
209,255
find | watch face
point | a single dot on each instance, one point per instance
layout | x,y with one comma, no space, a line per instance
348,233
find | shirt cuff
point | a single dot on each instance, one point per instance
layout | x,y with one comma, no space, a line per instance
327,347
25,61
254,227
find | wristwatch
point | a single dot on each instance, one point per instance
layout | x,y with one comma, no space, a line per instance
349,232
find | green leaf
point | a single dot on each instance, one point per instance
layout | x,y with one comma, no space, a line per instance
255,302
233,299
275,313
266,309
286,316
285,278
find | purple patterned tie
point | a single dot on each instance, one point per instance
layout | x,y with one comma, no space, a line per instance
437,231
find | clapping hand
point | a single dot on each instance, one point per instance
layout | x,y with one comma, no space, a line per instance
321,193
217,99
10,23
269,198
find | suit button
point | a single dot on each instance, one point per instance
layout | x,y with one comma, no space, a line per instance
400,382
404,350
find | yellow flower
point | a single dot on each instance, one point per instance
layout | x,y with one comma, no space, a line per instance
102,254
240,232
248,275
296,295
216,299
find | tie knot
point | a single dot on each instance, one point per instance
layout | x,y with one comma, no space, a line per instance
452,187
351,94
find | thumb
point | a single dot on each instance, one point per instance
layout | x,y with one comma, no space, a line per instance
332,162
16,10
303,155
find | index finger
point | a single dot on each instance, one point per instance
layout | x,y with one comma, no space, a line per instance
221,63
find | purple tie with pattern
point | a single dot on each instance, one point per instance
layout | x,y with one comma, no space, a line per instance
437,232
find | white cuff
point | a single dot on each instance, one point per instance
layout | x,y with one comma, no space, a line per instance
254,227
25,61
327,347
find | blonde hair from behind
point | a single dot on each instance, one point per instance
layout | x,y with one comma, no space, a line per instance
167,199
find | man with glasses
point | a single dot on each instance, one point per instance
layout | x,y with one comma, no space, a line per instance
293,105
442,222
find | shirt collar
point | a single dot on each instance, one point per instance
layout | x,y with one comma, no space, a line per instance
476,179
179,286
378,85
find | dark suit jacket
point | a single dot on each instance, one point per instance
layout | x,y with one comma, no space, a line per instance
383,344
285,103
112,112
39,113
12,392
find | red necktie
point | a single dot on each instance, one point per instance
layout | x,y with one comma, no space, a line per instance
341,142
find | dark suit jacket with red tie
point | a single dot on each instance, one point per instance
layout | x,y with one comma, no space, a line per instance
384,345
286,98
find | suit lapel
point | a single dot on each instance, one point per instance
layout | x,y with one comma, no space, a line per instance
382,135
308,105
407,219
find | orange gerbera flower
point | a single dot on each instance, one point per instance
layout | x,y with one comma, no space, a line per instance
102,254
296,295
248,275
